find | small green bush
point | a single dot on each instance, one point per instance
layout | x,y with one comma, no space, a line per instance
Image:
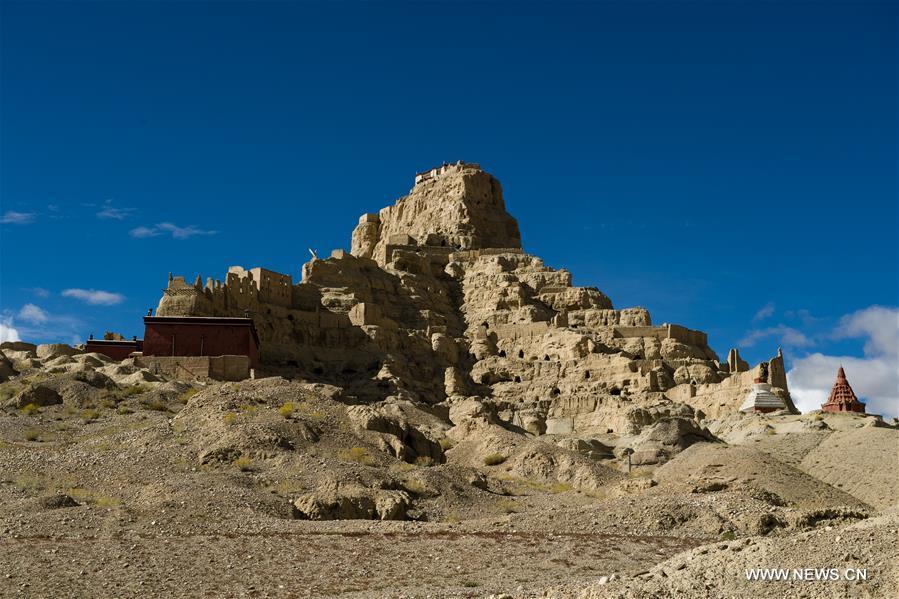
359,455
156,405
424,461
446,444
415,486
89,415
494,459
185,397
32,434
728,535
286,410
229,418
132,391
31,410
243,463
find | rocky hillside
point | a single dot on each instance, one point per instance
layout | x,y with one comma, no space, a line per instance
119,482
437,414
437,303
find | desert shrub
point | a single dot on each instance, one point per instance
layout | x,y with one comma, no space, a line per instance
452,517
728,535
229,418
494,459
559,488
446,444
89,415
118,394
8,390
507,506
124,410
243,463
415,486
594,494
309,411
155,404
185,397
29,483
401,467
134,390
359,455
288,487
31,409
524,486
106,501
424,461
470,584
32,434
286,410
82,495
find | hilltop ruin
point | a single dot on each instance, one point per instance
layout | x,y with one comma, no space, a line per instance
437,302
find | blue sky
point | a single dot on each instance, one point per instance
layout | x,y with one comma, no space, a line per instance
729,165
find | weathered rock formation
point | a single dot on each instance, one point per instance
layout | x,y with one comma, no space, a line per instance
437,302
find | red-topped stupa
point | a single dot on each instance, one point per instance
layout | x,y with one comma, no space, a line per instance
842,397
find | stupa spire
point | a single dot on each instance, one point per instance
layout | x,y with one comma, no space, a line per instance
842,397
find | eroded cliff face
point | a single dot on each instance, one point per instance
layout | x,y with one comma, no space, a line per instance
437,303
458,207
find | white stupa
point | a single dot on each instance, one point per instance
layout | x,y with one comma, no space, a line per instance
760,398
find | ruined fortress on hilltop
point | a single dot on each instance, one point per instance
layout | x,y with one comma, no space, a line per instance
436,301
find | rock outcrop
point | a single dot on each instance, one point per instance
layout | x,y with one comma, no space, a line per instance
437,302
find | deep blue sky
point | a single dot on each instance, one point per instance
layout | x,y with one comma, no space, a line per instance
702,159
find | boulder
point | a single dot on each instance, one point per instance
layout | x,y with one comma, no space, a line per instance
17,346
592,448
351,502
37,394
55,502
52,350
399,436
7,370
659,442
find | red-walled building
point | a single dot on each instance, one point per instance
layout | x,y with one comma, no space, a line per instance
117,349
200,336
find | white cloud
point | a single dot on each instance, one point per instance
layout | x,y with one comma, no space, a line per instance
874,377
111,212
33,314
39,326
880,325
786,336
95,296
7,332
11,217
174,230
141,232
764,312
40,292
